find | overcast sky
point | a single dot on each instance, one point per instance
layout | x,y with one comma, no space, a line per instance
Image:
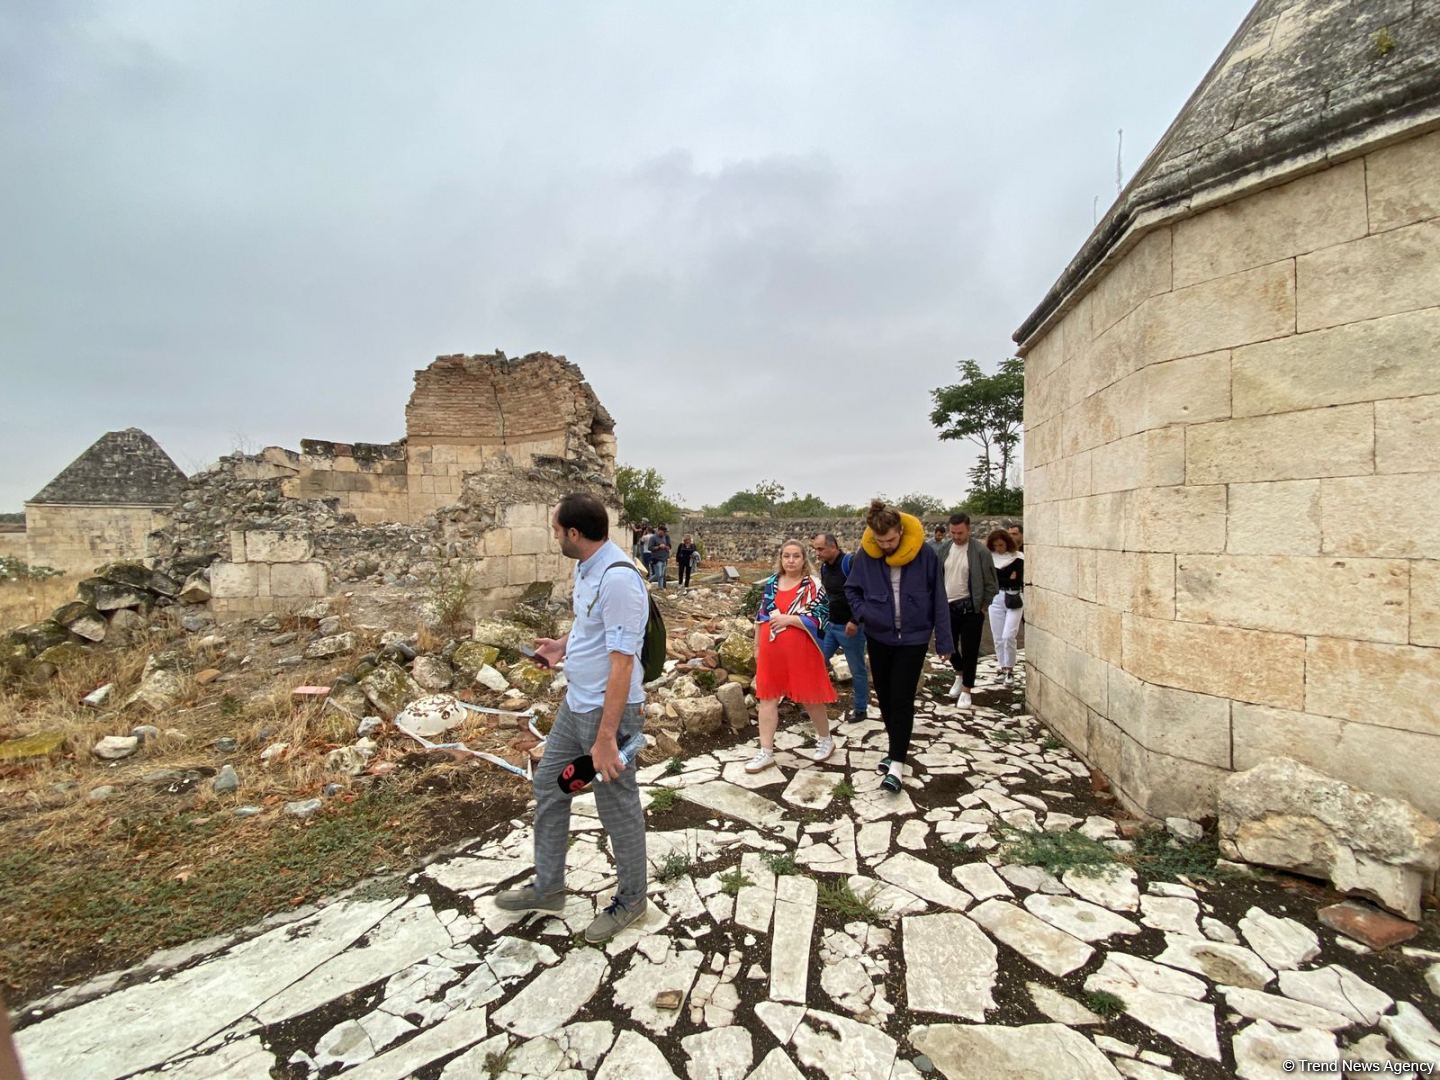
765,231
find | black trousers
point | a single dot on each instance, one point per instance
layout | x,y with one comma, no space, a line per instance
895,677
684,568
966,628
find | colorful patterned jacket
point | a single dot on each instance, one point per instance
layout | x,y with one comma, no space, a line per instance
810,603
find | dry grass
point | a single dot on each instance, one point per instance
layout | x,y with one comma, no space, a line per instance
24,602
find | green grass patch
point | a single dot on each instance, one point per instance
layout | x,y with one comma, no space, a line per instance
843,789
673,867
1159,855
674,767
1050,742
732,881
839,897
1056,852
780,863
1102,1003
1003,735
662,799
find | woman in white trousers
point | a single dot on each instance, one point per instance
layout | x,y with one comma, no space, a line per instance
1006,610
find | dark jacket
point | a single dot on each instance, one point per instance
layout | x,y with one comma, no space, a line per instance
832,576
684,553
983,585
924,611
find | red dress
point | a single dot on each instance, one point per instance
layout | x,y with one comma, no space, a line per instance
791,665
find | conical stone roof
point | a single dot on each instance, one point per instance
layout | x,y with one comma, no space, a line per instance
121,468
1302,84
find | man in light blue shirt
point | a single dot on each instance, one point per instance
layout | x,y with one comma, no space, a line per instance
601,710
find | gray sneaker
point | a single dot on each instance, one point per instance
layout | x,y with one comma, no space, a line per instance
527,899
614,919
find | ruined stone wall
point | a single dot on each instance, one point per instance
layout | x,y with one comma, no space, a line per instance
268,571
76,539
1203,430
757,539
370,481
12,544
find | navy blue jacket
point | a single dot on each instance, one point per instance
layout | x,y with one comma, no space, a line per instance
924,611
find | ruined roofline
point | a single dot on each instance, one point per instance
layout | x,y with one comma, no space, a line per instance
1344,98
601,416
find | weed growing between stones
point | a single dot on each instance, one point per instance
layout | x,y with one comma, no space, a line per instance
662,799
448,598
1056,852
843,789
732,881
675,766
1102,1003
1160,855
780,863
839,897
1050,742
673,867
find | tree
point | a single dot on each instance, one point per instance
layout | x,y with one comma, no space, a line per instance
642,494
922,506
763,498
988,410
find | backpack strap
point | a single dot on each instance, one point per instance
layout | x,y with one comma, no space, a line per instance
845,562
618,562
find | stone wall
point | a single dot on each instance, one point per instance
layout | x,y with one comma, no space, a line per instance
268,570
12,543
76,539
755,539
1204,425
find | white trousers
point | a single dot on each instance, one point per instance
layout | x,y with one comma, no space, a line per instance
1005,628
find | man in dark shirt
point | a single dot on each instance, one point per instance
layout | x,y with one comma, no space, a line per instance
842,632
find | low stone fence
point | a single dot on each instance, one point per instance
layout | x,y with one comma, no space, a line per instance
756,539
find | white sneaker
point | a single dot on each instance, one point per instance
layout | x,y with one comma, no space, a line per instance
957,689
824,748
963,701
1009,679
763,759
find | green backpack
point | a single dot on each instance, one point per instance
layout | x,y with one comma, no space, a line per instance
652,654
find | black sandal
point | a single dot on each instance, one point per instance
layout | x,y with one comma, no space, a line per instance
891,783
884,766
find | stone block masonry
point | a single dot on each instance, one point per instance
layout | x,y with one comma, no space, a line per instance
1207,420
268,571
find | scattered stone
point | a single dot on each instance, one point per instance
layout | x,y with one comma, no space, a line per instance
303,808
1079,918
979,880
950,966
1365,923
719,1054
329,647
368,726
795,903
146,733
287,638
1039,942
1282,1010
1113,888
983,1052
389,688
115,747
432,673
732,699
273,751
1285,815
1164,1000
701,717
1413,1034
1339,990
1058,1007
31,747
246,811
227,781
225,745
1184,830
101,793
1263,1051
98,696
1231,965
1173,914
554,996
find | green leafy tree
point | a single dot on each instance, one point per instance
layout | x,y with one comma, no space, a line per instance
642,494
763,498
922,506
989,411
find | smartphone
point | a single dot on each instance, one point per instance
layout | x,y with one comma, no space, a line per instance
530,654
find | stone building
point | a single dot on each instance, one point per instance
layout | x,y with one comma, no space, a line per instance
1232,427
103,505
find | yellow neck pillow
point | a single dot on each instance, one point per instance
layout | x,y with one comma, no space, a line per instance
912,539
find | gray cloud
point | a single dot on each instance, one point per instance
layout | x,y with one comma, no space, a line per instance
765,232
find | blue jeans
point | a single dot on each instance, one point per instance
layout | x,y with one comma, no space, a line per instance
854,650
657,571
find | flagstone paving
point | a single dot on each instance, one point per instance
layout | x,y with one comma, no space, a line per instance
819,926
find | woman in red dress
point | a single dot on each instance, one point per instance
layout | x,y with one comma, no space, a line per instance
788,659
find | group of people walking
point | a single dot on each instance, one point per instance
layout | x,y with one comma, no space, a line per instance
885,602
652,546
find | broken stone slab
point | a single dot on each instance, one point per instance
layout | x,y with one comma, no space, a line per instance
1079,918
777,1065
795,903
1058,1007
732,699
1114,887
1263,1051
1232,965
82,620
950,966
554,996
980,881
328,647
31,747
922,879
736,802
1413,1034
1282,1010
1039,942
1161,998
701,717
637,990
634,1057
811,789
719,1054
983,1052
1173,914
389,688
1285,815
1284,944
838,1046
1366,924
1339,990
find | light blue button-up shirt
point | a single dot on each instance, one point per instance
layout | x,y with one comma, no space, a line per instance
611,611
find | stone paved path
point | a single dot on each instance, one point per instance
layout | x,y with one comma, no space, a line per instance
968,967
